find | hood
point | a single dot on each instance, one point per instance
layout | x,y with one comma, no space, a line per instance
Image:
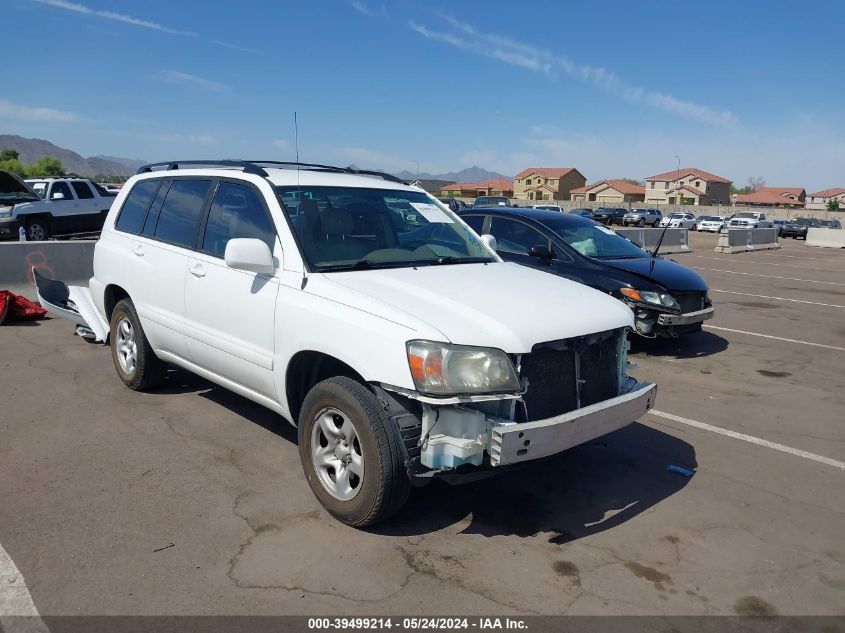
665,272
502,305
14,190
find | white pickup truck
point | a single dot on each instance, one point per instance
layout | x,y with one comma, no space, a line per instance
66,206
749,220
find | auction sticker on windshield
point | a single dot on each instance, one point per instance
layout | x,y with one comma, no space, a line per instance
431,212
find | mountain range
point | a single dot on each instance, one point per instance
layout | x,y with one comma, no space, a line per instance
470,174
31,150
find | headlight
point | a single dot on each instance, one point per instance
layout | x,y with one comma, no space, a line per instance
443,369
5,215
649,296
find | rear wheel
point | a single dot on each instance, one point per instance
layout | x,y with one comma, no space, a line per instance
37,230
349,453
135,361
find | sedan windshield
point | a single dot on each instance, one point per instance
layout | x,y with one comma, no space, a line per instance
594,240
341,228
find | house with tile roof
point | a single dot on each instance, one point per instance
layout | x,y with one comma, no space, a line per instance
547,183
610,190
818,201
492,187
688,185
792,197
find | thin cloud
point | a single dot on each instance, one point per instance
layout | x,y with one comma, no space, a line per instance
519,54
117,17
186,79
236,47
360,7
15,111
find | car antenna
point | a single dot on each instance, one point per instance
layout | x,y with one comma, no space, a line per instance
298,192
659,242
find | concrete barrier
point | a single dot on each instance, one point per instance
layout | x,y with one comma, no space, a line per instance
826,238
70,261
676,240
744,240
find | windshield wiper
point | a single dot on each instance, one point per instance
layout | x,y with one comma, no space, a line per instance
449,259
361,264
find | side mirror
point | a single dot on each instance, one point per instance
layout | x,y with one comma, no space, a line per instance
490,241
57,196
246,253
540,251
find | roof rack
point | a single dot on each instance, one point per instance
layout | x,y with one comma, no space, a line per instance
255,167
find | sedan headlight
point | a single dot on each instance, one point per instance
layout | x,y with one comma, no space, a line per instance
443,369
649,296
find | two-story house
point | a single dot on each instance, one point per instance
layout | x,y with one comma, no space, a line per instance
818,201
547,183
493,187
688,185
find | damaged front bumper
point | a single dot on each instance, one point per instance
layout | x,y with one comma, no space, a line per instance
512,443
73,303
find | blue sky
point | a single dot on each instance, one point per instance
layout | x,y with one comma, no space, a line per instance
616,89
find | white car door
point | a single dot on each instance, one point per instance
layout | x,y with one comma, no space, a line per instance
230,313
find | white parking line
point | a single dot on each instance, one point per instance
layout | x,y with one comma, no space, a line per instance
776,254
750,261
750,438
736,272
15,599
777,338
748,294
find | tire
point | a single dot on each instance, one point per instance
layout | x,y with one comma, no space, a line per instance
641,223
134,360
382,487
37,230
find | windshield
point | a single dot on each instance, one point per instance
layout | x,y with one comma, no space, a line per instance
802,221
340,228
594,240
745,215
490,201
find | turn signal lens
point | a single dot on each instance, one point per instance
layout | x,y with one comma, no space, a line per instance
631,294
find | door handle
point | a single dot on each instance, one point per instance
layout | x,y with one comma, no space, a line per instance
139,250
196,270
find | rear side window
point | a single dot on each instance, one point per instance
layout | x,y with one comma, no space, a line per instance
135,206
236,211
83,191
180,214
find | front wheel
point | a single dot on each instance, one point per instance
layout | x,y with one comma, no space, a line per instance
641,223
134,360
37,230
349,453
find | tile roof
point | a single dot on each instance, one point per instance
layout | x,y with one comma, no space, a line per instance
543,187
793,191
614,183
687,171
828,193
546,172
498,184
689,188
766,197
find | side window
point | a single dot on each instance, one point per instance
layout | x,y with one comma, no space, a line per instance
515,237
155,209
236,211
62,188
83,191
135,206
476,222
180,214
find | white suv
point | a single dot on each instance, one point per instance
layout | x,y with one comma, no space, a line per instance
362,310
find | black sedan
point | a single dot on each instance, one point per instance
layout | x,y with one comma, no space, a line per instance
666,297
610,216
797,228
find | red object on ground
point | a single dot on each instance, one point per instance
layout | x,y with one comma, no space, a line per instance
17,308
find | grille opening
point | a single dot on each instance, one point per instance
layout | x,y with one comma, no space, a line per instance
569,374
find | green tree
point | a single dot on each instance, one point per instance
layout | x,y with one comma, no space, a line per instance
13,165
833,205
633,181
9,154
46,166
